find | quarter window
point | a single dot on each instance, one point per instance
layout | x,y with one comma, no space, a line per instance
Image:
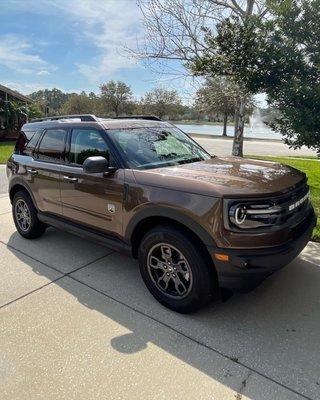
51,147
87,143
26,142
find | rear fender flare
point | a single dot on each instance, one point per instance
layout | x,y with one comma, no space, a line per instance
18,181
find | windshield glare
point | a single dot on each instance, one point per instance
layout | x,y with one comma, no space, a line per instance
157,147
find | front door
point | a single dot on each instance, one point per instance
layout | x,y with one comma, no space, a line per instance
93,200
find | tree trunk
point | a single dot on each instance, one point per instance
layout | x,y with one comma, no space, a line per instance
225,124
237,149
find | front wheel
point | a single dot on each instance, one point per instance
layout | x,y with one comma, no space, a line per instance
175,270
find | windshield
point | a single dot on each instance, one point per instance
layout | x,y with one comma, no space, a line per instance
157,147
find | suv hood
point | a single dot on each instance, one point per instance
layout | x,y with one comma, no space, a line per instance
227,177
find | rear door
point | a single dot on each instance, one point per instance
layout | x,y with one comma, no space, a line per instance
44,171
93,200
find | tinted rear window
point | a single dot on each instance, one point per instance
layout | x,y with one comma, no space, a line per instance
26,142
52,144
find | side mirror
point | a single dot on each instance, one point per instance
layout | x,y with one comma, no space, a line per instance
95,165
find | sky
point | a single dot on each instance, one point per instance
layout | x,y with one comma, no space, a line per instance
76,45
73,45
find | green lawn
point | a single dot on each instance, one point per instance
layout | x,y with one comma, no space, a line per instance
6,149
312,168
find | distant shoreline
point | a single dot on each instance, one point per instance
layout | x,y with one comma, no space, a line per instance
216,129
202,123
213,136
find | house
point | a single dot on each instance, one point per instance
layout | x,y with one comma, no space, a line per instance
8,95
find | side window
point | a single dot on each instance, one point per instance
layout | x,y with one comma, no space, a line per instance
26,142
52,145
87,143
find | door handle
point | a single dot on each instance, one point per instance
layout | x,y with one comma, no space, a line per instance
70,179
32,171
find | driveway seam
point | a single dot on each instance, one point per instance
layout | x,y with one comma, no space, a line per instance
194,340
49,266
27,255
49,283
244,383
32,291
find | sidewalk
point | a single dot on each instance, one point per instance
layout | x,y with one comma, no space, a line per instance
78,323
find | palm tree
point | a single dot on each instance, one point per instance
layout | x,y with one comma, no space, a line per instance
14,114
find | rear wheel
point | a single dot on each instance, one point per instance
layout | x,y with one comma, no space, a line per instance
175,270
25,216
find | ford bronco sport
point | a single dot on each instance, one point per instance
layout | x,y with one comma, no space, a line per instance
196,222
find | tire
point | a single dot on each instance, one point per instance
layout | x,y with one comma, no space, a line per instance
23,209
192,284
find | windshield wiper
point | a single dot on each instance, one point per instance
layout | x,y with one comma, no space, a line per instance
190,160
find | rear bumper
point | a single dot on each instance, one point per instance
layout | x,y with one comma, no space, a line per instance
247,268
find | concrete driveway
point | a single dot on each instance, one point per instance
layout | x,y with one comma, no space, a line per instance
3,180
78,323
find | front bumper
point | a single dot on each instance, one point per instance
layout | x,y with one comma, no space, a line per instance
246,268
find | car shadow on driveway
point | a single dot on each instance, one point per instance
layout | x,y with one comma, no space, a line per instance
272,331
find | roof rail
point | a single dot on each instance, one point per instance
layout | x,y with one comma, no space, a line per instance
91,117
147,117
82,117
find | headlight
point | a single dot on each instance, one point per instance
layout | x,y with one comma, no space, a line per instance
239,215
259,214
253,215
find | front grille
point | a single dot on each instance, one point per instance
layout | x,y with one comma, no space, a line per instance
292,206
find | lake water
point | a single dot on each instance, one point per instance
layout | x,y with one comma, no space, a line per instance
259,131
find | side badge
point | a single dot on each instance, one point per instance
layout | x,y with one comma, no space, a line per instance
111,208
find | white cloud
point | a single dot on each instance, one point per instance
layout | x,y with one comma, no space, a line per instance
16,54
108,25
29,87
43,72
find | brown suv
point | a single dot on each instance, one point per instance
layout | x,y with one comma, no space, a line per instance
196,222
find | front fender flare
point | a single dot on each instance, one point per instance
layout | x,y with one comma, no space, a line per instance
173,214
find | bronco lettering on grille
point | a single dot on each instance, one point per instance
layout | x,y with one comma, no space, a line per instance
299,202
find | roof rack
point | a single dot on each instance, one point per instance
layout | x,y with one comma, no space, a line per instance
82,117
91,117
147,117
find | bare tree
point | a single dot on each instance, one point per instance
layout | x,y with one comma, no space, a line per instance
175,31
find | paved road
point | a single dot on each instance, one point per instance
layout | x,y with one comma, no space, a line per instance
223,147
78,323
